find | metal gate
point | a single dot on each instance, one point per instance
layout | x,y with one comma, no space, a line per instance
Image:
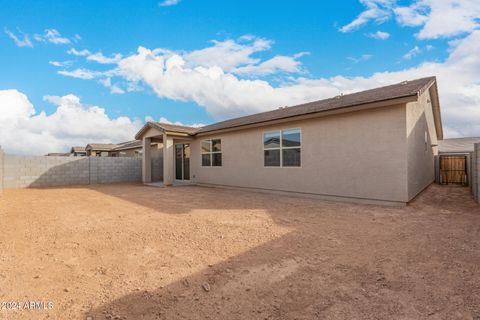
453,170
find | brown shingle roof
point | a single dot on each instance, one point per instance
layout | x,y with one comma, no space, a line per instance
78,149
175,128
167,127
399,90
129,145
101,146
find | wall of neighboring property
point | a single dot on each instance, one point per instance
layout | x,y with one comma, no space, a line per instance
130,153
113,170
359,155
476,172
41,171
421,135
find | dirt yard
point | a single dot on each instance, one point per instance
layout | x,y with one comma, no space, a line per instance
135,252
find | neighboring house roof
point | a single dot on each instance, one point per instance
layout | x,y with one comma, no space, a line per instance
457,144
166,127
129,145
57,154
78,149
134,144
100,146
405,89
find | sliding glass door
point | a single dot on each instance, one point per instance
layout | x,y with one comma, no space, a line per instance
182,161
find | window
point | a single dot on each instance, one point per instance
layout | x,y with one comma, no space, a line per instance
282,148
212,153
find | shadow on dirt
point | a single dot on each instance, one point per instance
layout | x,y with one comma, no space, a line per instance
340,261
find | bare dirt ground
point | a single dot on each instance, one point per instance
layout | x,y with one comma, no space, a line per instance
135,252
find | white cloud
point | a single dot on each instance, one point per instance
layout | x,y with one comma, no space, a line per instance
114,88
228,54
97,57
100,58
60,63
226,93
222,94
168,3
412,53
413,16
24,131
80,74
22,40
376,10
438,19
379,35
445,18
362,58
272,66
78,53
178,123
52,36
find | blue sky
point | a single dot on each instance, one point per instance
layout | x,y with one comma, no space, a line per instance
227,58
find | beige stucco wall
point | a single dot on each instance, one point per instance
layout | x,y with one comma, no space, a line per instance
420,159
360,154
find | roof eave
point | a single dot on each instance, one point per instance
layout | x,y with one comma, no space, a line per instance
338,110
436,109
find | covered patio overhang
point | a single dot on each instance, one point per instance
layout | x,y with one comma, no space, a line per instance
166,135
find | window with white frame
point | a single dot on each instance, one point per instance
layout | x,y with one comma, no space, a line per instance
282,148
212,153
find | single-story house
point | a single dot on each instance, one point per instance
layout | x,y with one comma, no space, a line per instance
133,149
454,162
99,149
78,152
375,146
123,149
57,154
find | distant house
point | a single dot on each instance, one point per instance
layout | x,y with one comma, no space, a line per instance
375,146
99,149
57,154
128,149
124,149
78,152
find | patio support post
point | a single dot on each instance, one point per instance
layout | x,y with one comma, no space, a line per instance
146,160
168,160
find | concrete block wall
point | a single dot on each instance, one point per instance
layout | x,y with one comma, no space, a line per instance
112,170
476,172
42,171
